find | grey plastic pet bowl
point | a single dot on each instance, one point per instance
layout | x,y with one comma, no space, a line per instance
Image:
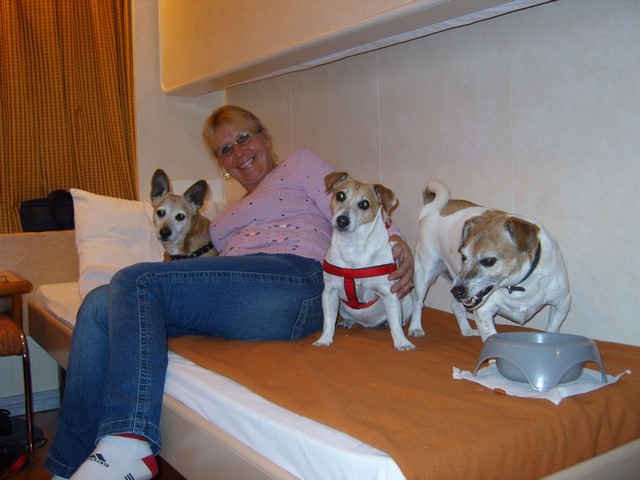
542,359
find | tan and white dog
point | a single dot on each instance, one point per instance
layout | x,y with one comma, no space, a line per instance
500,264
182,230
359,259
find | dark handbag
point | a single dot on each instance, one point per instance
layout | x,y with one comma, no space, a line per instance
55,212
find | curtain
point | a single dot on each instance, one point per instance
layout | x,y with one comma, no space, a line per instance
66,101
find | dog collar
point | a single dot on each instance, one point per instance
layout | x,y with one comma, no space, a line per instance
534,264
201,251
350,274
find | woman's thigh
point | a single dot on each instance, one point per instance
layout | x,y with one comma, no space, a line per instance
246,297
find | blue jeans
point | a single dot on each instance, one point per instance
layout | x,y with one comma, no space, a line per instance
118,359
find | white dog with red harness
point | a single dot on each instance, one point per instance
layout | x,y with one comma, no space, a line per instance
359,259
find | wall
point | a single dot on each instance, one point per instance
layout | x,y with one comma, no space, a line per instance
533,112
168,128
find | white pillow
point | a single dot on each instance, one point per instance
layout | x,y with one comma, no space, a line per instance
111,233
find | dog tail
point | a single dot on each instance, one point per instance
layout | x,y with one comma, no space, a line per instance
435,196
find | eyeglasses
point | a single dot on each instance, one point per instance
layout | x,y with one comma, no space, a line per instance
242,139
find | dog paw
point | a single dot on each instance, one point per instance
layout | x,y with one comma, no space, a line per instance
416,332
322,343
405,346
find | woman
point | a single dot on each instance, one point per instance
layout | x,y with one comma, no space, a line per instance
266,284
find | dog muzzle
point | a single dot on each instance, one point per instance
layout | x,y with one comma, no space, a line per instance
470,303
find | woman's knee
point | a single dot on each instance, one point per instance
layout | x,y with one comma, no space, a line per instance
92,322
95,306
128,277
309,319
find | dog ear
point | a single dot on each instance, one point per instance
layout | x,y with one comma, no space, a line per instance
333,178
466,228
387,198
523,233
160,185
196,193
428,196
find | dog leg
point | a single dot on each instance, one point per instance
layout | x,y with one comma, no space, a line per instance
557,314
423,277
330,305
485,322
408,303
463,321
394,315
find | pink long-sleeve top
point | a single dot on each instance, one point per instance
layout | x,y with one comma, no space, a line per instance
288,212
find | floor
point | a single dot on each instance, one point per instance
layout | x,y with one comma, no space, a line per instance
36,471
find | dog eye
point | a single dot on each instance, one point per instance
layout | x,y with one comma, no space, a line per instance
488,262
180,217
363,204
160,213
340,196
464,257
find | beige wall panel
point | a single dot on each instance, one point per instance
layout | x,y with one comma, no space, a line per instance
353,117
311,93
532,112
168,129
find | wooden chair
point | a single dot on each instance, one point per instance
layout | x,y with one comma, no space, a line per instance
13,341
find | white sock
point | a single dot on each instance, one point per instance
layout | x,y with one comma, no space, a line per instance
118,458
58,477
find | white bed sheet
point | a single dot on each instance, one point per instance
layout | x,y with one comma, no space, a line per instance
305,448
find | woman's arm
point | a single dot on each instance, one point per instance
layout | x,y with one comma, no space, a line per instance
403,276
314,169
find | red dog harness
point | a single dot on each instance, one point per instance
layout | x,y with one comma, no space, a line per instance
350,274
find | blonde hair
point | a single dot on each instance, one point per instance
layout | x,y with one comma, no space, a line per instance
238,117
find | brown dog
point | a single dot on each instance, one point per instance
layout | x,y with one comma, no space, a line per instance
180,227
500,264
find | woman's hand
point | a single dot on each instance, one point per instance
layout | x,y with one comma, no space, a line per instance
403,275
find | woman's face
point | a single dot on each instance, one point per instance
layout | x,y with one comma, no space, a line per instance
243,153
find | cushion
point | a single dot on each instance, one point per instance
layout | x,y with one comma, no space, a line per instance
111,233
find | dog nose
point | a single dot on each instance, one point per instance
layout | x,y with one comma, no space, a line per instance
459,292
342,221
165,232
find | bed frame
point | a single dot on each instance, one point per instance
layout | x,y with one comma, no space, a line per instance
50,257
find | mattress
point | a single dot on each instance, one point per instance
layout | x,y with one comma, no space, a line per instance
303,447
403,414
408,405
